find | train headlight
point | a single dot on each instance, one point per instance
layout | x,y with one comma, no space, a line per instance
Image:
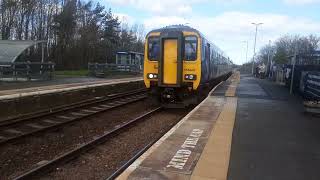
152,76
190,77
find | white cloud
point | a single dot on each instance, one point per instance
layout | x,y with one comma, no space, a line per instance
228,29
125,18
301,2
169,7
159,7
160,21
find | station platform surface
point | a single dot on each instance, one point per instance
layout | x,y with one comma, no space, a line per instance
246,129
13,90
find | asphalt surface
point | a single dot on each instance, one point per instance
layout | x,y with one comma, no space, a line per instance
273,139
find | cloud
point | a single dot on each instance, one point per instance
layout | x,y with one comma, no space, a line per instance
125,18
163,21
159,7
301,2
229,29
168,7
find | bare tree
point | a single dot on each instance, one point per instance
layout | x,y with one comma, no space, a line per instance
77,31
285,47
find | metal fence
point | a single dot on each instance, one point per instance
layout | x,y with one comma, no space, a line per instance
26,70
99,70
299,73
311,89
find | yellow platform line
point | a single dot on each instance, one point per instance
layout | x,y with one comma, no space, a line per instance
235,80
214,161
126,174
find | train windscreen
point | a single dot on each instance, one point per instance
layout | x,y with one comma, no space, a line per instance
153,48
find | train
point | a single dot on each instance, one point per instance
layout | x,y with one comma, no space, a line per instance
180,63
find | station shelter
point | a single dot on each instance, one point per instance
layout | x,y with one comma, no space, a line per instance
129,58
126,61
14,67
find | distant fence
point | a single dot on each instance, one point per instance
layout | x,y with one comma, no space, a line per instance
96,69
27,70
299,73
311,88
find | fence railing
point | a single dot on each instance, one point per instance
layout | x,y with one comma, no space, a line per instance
96,69
312,86
28,70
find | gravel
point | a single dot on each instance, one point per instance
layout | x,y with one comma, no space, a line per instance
36,150
106,158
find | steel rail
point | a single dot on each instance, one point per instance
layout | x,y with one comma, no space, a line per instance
39,114
135,157
144,149
83,148
78,118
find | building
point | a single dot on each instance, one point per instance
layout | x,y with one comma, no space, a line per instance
12,69
129,58
129,62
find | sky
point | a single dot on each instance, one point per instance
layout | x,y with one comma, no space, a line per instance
226,23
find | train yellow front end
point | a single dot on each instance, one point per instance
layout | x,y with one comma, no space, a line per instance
170,72
173,65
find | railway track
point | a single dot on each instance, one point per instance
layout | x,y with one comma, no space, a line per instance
40,122
85,147
131,160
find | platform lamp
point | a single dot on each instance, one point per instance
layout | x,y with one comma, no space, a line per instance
255,43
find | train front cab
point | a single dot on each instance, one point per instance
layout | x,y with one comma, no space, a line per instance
172,66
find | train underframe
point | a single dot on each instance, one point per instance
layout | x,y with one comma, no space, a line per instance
173,97
184,96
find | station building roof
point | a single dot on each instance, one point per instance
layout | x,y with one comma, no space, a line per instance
10,50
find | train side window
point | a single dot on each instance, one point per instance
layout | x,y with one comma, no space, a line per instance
190,48
153,48
208,52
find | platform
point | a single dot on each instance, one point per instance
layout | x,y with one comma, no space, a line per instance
15,103
58,86
246,129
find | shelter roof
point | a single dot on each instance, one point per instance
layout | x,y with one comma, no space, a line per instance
10,50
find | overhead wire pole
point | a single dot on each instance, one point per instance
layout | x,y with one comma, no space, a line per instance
255,43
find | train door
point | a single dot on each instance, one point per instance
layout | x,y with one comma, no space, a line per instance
170,57
170,65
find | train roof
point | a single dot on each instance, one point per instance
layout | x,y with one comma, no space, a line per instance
175,28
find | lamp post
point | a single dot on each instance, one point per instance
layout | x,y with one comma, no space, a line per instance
255,43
